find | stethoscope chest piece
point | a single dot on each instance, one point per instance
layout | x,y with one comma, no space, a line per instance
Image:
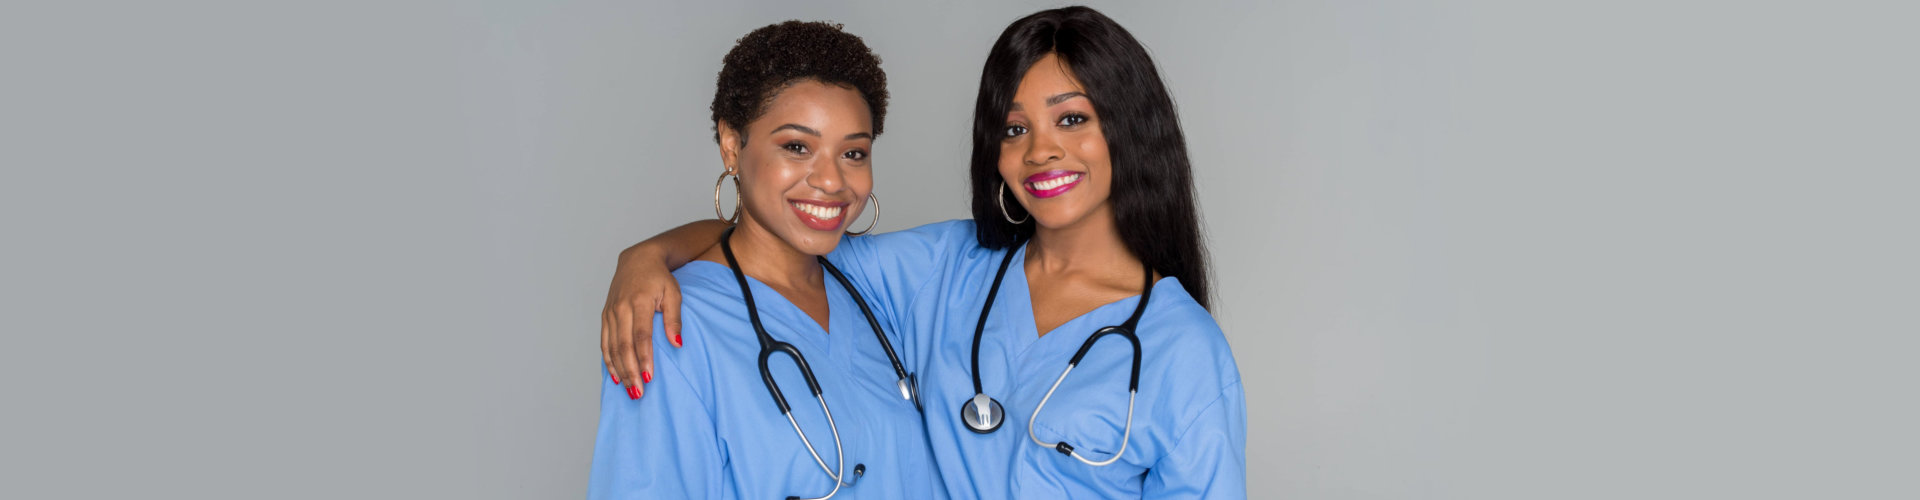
910,389
982,414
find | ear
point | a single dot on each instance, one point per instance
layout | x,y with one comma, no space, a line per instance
729,146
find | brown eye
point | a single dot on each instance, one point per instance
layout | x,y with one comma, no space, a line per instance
1015,131
1072,119
795,148
855,155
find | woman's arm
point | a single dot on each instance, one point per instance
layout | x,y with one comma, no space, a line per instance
892,266
643,284
1209,459
631,460
892,269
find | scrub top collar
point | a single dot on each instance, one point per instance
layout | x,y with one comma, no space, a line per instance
1017,300
785,320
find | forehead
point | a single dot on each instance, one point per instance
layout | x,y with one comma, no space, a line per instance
1048,77
818,106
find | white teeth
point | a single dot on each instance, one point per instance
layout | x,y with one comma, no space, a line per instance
818,212
1055,182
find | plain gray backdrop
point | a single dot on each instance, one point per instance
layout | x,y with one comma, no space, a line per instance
1465,250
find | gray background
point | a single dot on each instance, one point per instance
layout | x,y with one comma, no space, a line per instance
1467,250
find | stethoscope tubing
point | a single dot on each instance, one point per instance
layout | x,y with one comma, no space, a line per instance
905,380
1067,449
1125,330
986,310
769,346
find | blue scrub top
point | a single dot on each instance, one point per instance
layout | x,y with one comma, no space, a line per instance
1189,423
707,428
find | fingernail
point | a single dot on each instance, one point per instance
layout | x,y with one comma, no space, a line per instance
676,340
616,378
633,393
646,377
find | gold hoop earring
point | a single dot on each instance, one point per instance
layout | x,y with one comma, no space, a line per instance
1000,198
736,196
876,215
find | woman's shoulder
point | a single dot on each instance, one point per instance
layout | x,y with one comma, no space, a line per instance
710,284
1180,327
946,229
703,274
934,238
1171,306
712,314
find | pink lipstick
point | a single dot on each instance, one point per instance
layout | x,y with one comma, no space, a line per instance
1052,183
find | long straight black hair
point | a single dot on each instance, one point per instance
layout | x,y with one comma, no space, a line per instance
1152,194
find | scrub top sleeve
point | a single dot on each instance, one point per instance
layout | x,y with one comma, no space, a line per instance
894,267
663,446
1210,458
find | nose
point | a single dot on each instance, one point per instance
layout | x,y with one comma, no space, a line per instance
827,177
1042,148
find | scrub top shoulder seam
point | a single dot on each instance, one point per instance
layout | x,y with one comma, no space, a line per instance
1181,437
942,253
681,372
914,301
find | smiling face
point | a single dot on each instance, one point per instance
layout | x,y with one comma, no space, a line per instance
804,164
1053,155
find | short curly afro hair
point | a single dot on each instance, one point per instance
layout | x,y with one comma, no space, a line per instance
776,56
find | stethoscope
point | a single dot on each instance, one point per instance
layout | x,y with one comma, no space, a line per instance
768,346
984,415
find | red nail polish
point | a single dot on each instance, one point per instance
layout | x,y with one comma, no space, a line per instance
646,377
676,340
616,378
633,393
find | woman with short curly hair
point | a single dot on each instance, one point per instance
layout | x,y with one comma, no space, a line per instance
796,109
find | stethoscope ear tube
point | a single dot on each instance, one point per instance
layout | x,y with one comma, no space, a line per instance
1133,382
805,370
766,375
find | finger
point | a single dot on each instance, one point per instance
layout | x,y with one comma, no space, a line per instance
623,351
606,360
611,351
608,349
643,350
670,310
642,343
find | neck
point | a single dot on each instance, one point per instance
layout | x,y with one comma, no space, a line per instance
771,260
1092,245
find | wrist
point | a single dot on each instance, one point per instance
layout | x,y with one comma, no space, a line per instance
642,251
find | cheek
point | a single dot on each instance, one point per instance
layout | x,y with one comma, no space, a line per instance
1093,152
860,179
1093,146
1009,167
768,181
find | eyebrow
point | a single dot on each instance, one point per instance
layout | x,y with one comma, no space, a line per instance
804,130
1063,98
1057,99
795,126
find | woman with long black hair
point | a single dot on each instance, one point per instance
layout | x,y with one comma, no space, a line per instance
1090,369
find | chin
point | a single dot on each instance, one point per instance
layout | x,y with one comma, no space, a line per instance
812,242
1059,218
